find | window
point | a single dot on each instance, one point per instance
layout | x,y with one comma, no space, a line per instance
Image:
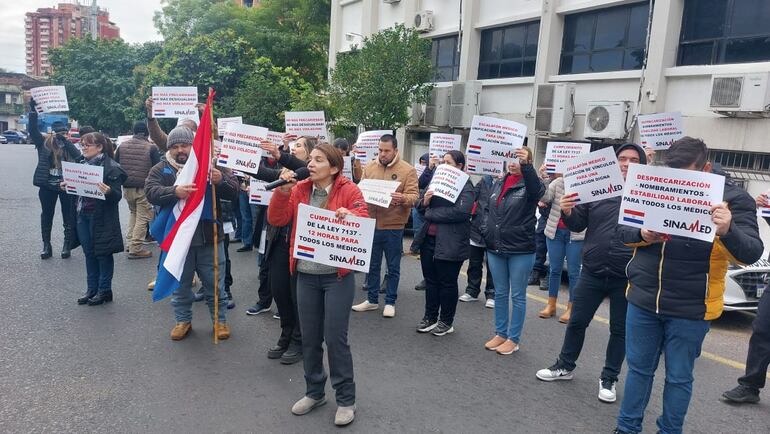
509,51
605,40
446,59
724,31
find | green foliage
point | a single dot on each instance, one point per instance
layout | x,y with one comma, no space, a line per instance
373,86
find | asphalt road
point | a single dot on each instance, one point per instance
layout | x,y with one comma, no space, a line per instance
113,368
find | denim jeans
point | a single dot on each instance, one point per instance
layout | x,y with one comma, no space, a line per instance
99,269
200,259
417,220
510,273
246,225
541,253
648,335
558,248
390,242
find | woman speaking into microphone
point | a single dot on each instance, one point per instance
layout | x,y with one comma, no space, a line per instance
324,293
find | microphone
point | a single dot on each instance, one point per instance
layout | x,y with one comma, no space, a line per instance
299,175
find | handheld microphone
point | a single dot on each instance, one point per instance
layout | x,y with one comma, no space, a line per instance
299,175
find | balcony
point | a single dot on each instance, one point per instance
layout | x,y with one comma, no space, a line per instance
11,109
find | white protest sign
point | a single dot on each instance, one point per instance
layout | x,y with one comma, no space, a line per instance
257,193
275,138
377,191
493,138
368,145
193,115
671,201
484,166
419,168
594,177
764,211
240,147
322,238
441,143
312,124
81,179
347,168
223,122
557,153
448,182
49,99
658,131
120,139
175,102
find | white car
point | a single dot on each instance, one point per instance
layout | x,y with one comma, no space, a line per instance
744,285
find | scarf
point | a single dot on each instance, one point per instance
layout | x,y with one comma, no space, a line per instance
173,162
510,181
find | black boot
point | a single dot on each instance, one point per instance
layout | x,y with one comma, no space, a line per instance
65,250
47,251
100,298
291,356
84,299
534,278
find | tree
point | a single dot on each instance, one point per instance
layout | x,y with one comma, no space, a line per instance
373,86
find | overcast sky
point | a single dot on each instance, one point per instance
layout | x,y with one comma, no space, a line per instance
134,17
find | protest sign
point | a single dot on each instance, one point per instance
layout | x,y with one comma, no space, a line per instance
175,102
658,131
223,122
275,137
441,143
368,145
448,182
347,168
484,166
81,179
419,168
557,153
257,193
764,211
120,139
49,99
377,191
493,138
594,177
324,239
671,201
194,116
312,124
240,147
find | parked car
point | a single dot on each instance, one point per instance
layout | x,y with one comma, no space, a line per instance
3,140
13,136
74,135
744,285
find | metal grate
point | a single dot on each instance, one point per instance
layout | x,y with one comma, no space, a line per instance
726,92
545,97
749,281
543,119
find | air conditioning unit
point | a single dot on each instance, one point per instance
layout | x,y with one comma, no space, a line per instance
417,115
423,21
466,96
740,94
606,119
555,108
437,109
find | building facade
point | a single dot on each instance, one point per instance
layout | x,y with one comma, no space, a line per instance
48,28
14,91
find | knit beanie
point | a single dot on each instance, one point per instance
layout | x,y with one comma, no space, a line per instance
141,128
179,135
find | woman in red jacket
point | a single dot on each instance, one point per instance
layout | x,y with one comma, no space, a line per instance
324,293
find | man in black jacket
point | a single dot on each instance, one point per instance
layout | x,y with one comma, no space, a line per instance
603,276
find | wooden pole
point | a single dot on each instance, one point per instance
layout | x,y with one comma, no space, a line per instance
216,231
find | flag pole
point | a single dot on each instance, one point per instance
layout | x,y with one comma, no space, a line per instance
216,231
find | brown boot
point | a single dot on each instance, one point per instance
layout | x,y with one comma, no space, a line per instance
493,343
180,331
223,331
564,319
550,308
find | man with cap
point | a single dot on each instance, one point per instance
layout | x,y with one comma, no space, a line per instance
161,191
137,156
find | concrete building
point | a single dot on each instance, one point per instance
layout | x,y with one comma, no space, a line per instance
709,60
48,28
14,93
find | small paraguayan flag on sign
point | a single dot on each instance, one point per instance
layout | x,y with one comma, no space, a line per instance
632,216
764,212
474,149
223,158
550,167
305,251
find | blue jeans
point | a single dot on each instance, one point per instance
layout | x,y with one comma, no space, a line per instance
390,242
246,224
99,269
200,259
417,220
648,335
510,274
559,247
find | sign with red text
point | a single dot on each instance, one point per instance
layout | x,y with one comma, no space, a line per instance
223,122
671,201
658,131
241,147
324,239
764,211
50,99
275,137
557,153
441,143
448,182
175,102
595,176
484,166
378,191
368,145
311,124
347,168
257,193
493,138
82,179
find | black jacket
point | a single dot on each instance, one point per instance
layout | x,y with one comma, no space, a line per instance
45,156
510,227
107,237
453,226
482,190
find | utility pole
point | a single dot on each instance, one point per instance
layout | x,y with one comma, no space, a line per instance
94,23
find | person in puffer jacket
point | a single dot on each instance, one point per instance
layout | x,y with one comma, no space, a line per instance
675,289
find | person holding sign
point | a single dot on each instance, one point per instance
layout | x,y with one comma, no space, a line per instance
675,289
444,244
51,151
324,293
98,221
157,135
510,239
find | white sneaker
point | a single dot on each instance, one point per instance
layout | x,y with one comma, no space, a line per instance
468,297
365,306
490,304
607,391
554,373
389,311
345,415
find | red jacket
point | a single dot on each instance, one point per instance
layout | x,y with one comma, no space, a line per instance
344,194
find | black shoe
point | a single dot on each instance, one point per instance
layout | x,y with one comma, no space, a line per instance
534,278
426,325
257,309
101,298
276,352
544,284
443,329
47,251
245,249
65,251
84,299
290,357
741,395
420,286
230,302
